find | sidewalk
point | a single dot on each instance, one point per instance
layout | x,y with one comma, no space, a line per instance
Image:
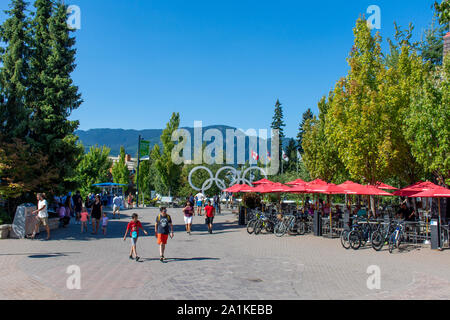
229,264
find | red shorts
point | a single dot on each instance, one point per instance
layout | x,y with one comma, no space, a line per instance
162,238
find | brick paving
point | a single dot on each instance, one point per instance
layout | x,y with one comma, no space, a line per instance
228,265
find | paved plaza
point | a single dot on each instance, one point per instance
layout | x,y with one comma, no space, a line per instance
227,265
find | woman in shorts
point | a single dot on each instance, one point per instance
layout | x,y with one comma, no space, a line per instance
188,216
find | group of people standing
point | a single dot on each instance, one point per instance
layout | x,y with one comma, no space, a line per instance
90,210
209,212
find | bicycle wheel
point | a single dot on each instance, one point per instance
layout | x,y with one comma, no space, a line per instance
377,241
399,240
251,226
344,239
269,226
391,243
354,238
280,229
301,228
258,227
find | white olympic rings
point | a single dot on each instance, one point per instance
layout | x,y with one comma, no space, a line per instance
236,179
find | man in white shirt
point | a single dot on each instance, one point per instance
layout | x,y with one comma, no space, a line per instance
200,197
42,215
117,202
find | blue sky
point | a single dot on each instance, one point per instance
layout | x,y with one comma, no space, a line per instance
222,62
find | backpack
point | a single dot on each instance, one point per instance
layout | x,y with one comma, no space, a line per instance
159,218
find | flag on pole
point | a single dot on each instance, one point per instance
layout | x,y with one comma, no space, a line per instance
255,156
299,156
145,148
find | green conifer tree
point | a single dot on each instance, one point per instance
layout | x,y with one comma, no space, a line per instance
14,59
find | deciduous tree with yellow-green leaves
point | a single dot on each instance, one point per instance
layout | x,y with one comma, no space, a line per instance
427,126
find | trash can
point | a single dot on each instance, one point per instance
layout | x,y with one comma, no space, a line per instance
435,229
317,225
242,216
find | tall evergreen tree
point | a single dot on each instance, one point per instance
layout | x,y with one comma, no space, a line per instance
278,124
54,96
432,45
307,115
14,57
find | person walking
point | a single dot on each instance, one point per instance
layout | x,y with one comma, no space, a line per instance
191,199
200,197
130,201
104,223
42,216
133,226
210,213
217,203
62,215
117,202
162,227
84,219
68,205
188,216
78,205
97,212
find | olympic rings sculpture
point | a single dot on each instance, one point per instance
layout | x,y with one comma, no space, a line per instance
236,178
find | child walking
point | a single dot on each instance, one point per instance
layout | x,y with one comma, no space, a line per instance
133,226
84,219
104,222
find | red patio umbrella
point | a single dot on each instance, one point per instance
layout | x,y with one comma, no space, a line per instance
328,188
296,182
298,188
416,188
350,187
276,188
317,181
247,189
373,191
440,192
262,181
381,185
236,188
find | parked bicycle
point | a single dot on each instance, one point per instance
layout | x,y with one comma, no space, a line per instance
397,237
380,237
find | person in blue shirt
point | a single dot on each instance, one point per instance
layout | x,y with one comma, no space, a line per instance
361,213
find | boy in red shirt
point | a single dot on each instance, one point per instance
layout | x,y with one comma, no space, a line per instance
133,226
210,212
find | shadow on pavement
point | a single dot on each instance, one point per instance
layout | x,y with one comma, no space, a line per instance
116,229
167,260
41,255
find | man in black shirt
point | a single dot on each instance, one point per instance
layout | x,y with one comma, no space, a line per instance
406,213
163,228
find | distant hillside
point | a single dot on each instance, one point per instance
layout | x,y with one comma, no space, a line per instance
115,138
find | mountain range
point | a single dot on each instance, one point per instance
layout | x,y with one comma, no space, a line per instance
115,138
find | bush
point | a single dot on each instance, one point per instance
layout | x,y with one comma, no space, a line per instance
251,200
5,218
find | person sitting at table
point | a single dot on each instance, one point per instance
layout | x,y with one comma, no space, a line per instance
310,210
338,213
360,212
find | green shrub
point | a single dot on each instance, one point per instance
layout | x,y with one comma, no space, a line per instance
5,218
